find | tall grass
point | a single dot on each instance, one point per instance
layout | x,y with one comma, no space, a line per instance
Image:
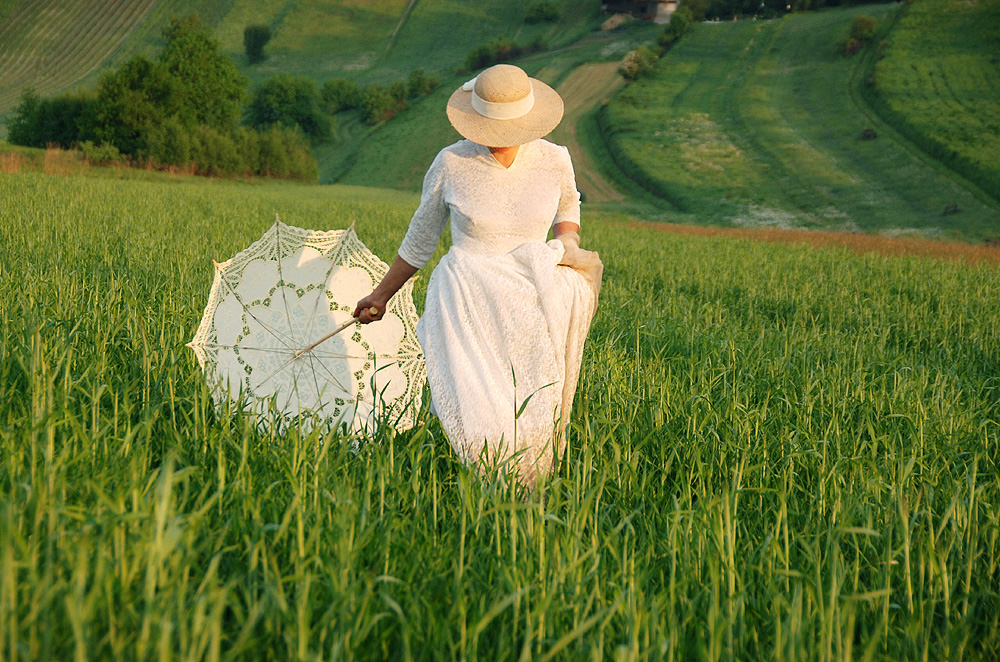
776,453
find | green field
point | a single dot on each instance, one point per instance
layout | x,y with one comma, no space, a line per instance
939,84
776,453
50,45
759,123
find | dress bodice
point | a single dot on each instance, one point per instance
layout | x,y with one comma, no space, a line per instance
492,209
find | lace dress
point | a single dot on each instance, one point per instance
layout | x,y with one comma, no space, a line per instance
502,323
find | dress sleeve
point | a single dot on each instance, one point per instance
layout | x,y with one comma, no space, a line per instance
569,198
428,221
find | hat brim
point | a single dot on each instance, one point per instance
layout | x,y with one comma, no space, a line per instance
544,116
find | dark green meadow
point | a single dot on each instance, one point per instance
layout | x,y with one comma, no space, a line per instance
776,453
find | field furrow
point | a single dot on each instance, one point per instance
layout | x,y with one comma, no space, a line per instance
68,41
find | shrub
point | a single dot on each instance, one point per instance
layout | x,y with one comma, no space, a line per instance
285,153
542,11
379,103
340,94
497,51
214,153
863,27
636,63
103,154
420,83
255,37
169,144
680,22
853,46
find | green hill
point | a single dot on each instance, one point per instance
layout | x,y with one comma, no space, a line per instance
761,124
939,84
749,123
55,45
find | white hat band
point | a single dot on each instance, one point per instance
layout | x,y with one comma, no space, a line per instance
500,110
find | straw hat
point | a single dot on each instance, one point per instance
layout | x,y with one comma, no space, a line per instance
503,107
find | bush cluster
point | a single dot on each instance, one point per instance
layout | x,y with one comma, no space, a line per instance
376,103
863,29
640,61
680,22
499,50
290,101
637,62
541,11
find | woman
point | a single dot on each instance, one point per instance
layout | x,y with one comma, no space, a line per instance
506,313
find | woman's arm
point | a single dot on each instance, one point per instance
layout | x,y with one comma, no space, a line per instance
400,272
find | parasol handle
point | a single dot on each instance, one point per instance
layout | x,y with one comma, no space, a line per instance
371,311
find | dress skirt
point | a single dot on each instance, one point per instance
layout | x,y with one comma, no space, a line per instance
503,337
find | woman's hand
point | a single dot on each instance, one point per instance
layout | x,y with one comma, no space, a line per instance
398,274
370,309
587,262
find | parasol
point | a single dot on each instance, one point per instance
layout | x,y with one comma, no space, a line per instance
278,334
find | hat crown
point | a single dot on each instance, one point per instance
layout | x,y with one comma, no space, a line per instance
503,83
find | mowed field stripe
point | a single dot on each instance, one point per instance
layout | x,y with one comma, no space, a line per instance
87,32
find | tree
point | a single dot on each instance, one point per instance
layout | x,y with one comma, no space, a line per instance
255,37
291,101
64,120
22,128
206,87
130,102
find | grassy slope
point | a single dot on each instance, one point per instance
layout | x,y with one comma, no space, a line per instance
939,83
317,38
758,123
397,153
777,453
50,46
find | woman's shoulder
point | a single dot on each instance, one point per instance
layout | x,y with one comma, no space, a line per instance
549,150
461,149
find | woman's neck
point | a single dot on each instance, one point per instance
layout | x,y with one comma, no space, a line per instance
504,155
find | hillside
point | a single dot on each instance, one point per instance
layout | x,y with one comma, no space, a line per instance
57,45
755,123
761,123
939,84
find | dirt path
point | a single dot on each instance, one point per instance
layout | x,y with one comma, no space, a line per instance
582,91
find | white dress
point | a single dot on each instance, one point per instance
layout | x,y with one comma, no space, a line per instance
502,323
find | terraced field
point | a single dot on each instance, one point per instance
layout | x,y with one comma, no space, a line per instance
50,45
